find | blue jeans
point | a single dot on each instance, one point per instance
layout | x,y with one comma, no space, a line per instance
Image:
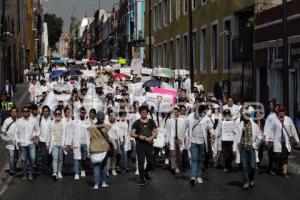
248,161
197,153
57,158
100,172
81,164
28,158
12,155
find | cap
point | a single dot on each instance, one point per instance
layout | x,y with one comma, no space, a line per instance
100,117
226,112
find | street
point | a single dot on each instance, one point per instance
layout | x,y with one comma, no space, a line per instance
217,185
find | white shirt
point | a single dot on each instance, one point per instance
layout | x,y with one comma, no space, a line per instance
82,128
69,130
268,124
45,130
234,110
26,129
10,132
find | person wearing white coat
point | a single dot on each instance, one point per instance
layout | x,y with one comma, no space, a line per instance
44,136
282,128
247,142
57,143
80,144
199,125
176,134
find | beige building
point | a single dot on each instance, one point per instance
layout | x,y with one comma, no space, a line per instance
222,40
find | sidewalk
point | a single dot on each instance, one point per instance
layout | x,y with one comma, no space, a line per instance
20,98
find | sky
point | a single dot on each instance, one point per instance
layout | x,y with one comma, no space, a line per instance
65,8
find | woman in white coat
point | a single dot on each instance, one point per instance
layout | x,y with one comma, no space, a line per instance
57,142
282,128
247,143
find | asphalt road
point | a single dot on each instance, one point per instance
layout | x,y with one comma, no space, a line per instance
217,185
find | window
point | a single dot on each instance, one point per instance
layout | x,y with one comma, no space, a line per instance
203,50
165,55
159,55
166,12
170,11
154,57
171,56
227,44
154,16
214,47
178,9
193,4
177,53
159,16
185,51
185,7
194,47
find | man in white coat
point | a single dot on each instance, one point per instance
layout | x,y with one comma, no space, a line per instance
234,109
26,139
282,129
81,144
176,134
199,125
8,130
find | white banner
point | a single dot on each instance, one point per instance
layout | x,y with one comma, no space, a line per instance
160,102
125,70
146,71
228,131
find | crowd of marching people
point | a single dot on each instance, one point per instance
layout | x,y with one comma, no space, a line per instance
119,128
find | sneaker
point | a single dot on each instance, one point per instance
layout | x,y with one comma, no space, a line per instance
147,177
225,170
114,173
30,177
96,187
54,176
25,177
252,184
199,180
173,171
59,175
104,185
285,175
177,171
246,186
193,181
166,161
141,183
76,177
82,174
272,173
137,172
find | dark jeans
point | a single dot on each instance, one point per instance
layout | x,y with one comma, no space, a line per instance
271,156
227,152
143,151
44,156
248,161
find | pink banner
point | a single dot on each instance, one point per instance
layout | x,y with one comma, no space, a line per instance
171,92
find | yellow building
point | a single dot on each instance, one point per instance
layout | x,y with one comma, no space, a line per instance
222,40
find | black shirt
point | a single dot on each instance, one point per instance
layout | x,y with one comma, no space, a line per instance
144,129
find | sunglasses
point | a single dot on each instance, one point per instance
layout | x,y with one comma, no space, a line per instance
57,114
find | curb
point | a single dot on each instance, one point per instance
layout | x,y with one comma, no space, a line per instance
5,179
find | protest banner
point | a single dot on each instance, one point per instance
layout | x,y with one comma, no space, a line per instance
172,92
146,71
228,131
160,102
125,70
159,141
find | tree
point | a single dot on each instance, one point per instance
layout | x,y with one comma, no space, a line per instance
55,26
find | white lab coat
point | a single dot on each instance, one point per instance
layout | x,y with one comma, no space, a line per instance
205,124
288,129
256,138
181,131
80,131
10,133
26,130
